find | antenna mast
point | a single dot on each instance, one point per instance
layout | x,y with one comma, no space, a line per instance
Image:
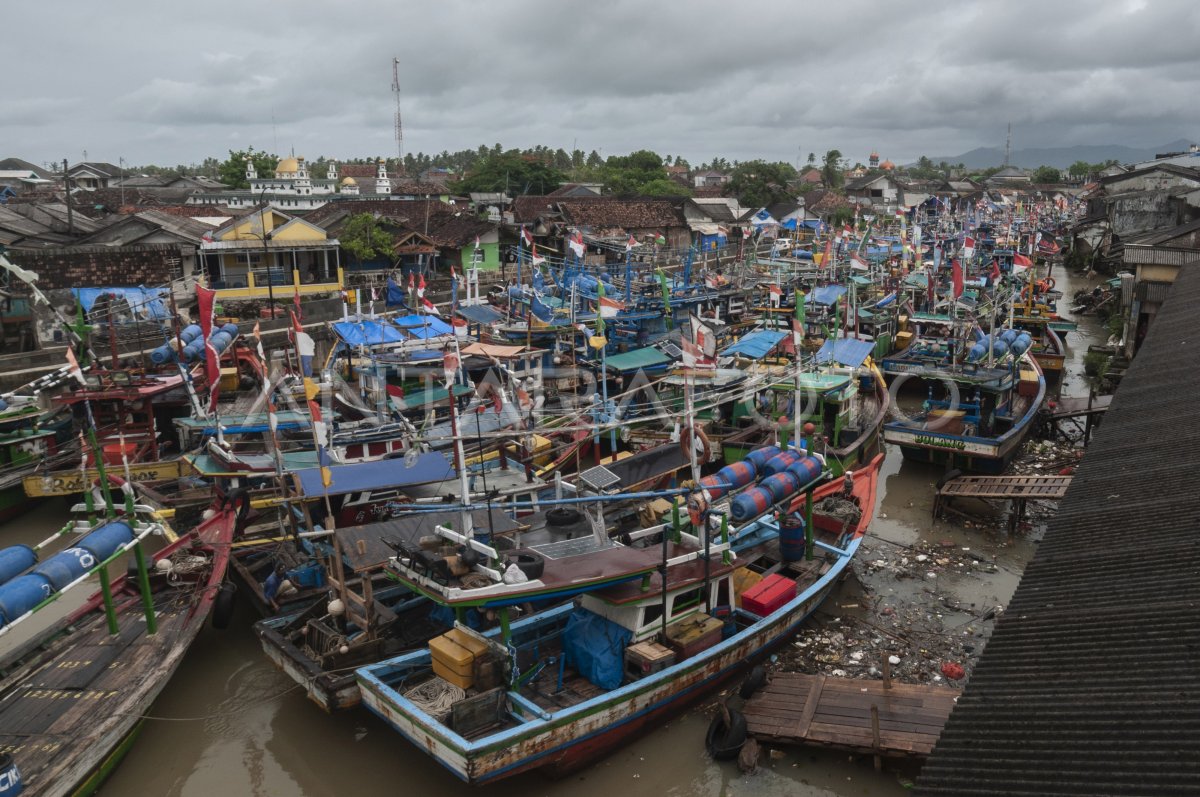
1007,141
399,123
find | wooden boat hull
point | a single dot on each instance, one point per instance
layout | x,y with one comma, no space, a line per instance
986,455
74,697
571,738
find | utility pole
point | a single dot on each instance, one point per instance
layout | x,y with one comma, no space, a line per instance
67,186
1008,145
399,121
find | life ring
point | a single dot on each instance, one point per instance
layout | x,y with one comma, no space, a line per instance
725,739
1050,283
756,680
562,516
685,443
530,563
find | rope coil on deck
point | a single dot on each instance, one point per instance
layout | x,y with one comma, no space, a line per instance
435,697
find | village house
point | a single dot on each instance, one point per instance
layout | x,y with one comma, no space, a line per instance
710,179
268,252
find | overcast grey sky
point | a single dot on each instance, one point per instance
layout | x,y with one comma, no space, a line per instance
173,82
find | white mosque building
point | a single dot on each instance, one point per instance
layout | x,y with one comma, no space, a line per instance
294,189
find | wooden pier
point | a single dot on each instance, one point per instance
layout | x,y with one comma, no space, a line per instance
1081,412
1018,489
880,718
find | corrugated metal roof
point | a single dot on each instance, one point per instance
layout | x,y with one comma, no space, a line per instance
1090,683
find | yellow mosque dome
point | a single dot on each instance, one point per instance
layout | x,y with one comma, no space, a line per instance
288,165
349,181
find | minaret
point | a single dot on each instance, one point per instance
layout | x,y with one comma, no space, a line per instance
331,175
250,173
382,184
303,185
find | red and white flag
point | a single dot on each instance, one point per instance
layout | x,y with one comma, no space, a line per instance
526,238
797,332
476,241
76,371
576,244
956,276
632,242
776,294
205,309
421,288
450,365
535,258
430,307
968,247
701,350
609,308
857,261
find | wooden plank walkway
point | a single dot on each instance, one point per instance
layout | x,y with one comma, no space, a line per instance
1018,489
859,716
1077,407
1047,488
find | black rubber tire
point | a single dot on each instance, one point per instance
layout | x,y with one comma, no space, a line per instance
222,611
531,564
756,680
562,516
948,477
723,742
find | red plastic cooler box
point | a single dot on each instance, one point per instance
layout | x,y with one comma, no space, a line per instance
768,595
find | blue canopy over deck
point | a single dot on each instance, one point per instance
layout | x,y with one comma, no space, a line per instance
381,474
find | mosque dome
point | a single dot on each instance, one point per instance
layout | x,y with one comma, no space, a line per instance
287,166
349,181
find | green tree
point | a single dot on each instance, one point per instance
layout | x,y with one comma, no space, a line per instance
512,171
232,172
812,159
831,169
626,174
663,187
759,183
364,237
1045,174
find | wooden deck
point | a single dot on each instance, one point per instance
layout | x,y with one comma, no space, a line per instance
1048,488
859,716
1018,489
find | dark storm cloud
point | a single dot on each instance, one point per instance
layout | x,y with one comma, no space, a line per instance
170,82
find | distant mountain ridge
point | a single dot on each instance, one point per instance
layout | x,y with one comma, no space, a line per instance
1060,157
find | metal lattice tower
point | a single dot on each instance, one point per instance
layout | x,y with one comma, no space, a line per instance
399,122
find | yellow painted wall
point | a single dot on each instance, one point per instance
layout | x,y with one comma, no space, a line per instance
250,228
1147,272
300,232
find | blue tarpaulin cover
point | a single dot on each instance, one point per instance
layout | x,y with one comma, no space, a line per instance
479,313
596,648
423,326
756,344
383,473
367,332
145,302
396,295
846,351
827,294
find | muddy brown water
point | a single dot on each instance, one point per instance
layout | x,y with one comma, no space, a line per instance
230,724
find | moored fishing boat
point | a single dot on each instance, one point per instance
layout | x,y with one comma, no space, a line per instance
571,695
976,416
73,696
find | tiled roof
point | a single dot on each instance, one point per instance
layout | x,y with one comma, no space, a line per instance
1090,684
610,212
